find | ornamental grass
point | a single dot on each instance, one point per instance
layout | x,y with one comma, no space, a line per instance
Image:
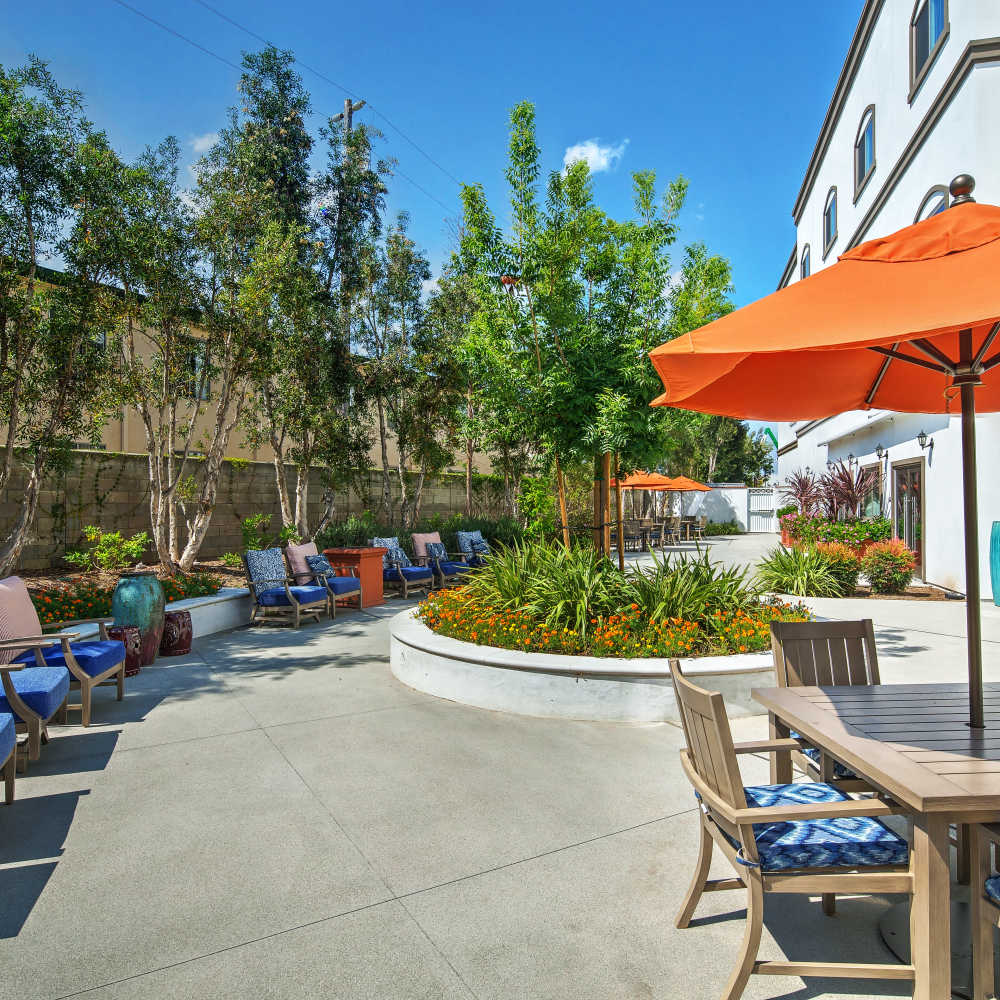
459,614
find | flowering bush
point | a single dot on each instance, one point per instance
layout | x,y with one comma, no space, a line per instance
808,529
629,633
86,599
889,566
844,565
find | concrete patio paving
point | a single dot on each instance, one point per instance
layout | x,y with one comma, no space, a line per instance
276,816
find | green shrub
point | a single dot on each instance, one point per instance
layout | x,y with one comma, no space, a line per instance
889,566
844,565
109,549
809,529
801,571
231,559
723,528
789,508
256,533
690,588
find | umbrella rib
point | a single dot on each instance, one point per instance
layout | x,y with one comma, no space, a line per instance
878,378
987,344
926,347
910,359
991,363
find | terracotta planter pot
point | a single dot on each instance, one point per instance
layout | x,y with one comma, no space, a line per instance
786,538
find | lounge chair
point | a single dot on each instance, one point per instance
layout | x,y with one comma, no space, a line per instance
985,894
473,547
88,663
310,566
275,594
447,566
8,755
398,570
809,838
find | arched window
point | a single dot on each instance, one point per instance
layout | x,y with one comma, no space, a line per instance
928,31
864,151
830,221
805,264
936,200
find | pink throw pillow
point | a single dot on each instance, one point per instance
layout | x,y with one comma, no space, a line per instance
18,616
420,542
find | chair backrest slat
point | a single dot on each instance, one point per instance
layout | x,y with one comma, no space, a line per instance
824,654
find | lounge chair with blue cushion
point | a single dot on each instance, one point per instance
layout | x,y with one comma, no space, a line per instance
8,755
824,654
809,838
985,894
341,580
473,546
447,566
84,664
398,570
275,595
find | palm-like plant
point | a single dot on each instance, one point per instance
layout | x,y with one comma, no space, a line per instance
802,489
803,572
844,489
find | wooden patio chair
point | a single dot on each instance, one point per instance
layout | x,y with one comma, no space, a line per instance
399,571
808,838
448,567
310,566
985,894
673,530
275,594
824,654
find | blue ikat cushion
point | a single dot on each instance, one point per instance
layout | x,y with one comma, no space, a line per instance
320,565
436,550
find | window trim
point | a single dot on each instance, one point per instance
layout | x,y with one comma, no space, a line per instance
828,244
806,255
860,183
917,76
938,189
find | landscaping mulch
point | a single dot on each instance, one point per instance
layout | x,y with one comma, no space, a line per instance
44,578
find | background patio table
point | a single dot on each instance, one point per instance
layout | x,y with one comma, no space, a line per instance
913,742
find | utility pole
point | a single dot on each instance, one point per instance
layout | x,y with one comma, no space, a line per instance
347,115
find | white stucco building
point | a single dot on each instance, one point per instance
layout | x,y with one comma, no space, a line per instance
917,103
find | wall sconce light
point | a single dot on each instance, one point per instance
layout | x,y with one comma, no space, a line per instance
880,452
809,471
924,441
829,463
850,458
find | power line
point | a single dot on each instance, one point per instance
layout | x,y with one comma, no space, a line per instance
333,83
215,55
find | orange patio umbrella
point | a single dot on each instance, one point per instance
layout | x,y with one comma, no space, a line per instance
643,481
684,485
906,322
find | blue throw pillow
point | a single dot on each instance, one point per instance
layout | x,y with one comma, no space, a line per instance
436,550
394,553
320,565
480,547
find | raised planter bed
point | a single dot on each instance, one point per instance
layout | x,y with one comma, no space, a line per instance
547,685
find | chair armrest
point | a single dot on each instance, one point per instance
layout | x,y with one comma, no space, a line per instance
352,569
12,666
33,641
821,810
81,621
767,746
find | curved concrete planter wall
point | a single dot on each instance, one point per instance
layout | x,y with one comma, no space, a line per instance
566,687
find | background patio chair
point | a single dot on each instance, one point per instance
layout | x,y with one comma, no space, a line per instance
340,585
809,838
398,570
824,654
275,595
447,566
985,894
87,663
8,755
473,547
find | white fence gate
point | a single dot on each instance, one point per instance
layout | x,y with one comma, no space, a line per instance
761,508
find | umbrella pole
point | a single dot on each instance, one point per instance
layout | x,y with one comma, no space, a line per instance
973,608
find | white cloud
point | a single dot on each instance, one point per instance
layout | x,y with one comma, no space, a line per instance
597,156
203,143
429,287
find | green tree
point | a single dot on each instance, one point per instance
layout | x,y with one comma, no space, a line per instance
54,385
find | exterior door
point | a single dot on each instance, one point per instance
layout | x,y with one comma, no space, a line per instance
760,508
909,508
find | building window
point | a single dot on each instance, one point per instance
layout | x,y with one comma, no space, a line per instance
197,385
935,201
830,221
864,151
928,31
805,266
871,503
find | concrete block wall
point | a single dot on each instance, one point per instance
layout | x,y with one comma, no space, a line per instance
111,490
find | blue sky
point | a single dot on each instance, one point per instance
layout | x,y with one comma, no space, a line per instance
730,94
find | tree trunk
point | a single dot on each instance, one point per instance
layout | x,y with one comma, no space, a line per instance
386,482
418,498
620,511
13,544
302,500
469,449
606,503
561,490
596,530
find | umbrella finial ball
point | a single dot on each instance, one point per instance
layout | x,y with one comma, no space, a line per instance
961,189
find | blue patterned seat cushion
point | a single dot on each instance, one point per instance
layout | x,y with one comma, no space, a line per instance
266,566
343,584
273,597
410,573
42,689
394,551
993,888
453,567
8,737
845,842
92,657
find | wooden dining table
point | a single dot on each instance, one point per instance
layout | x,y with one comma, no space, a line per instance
912,742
